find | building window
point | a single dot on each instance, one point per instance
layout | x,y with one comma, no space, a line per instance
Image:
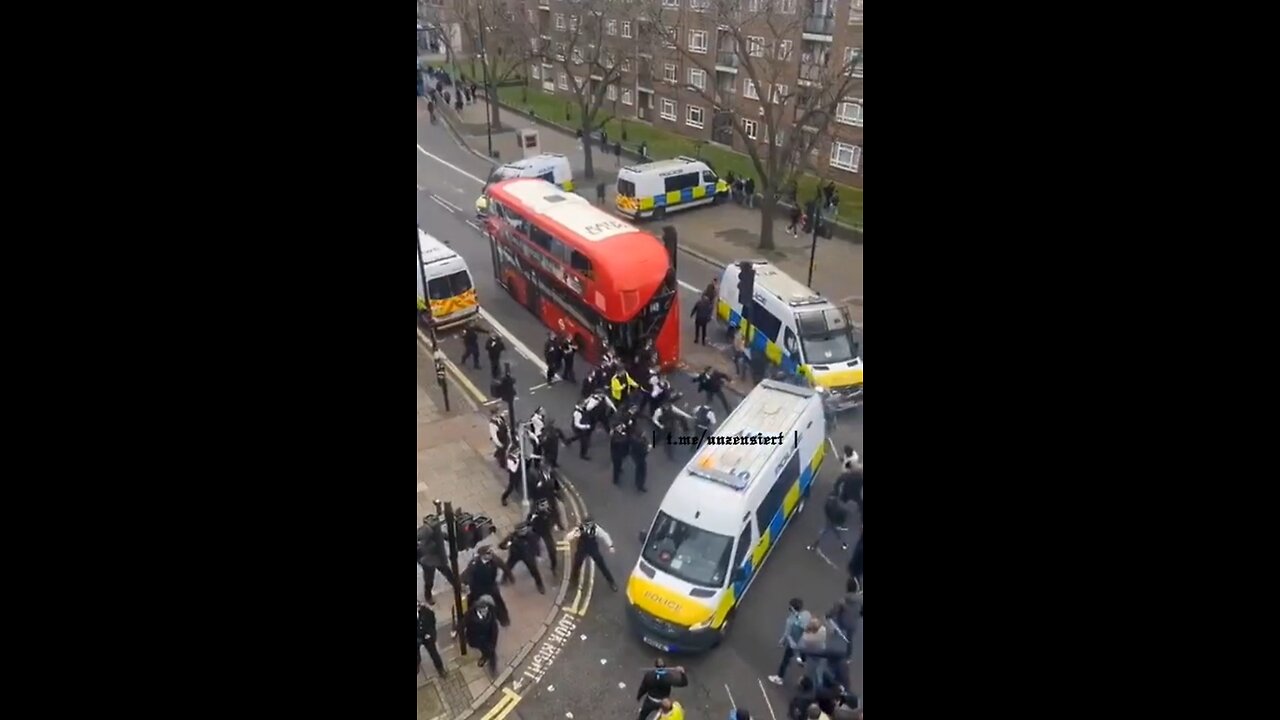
700,5
577,56
529,13
626,96
673,36
560,48
669,72
626,28
750,128
749,90
693,116
559,21
845,157
753,6
853,61
698,41
779,94
562,81
784,50
671,3
850,112
611,27
626,64
573,23
535,72
668,111
612,92
698,78
855,12
755,46
789,7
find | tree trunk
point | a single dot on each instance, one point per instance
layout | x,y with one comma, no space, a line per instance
588,170
495,115
768,202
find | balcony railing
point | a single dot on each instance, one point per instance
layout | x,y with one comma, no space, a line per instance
820,25
727,59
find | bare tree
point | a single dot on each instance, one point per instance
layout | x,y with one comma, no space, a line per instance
503,48
789,95
589,59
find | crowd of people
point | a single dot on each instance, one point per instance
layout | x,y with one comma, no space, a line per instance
446,88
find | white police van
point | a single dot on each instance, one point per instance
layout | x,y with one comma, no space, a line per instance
723,515
654,189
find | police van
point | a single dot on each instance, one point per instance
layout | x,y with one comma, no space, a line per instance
654,189
797,329
450,290
552,167
722,517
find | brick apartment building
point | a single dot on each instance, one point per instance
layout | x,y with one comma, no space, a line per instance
819,39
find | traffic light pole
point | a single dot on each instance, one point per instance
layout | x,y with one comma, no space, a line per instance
452,532
813,247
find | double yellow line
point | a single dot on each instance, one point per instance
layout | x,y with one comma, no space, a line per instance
504,706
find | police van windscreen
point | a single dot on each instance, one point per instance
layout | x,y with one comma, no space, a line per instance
626,188
823,343
691,554
448,286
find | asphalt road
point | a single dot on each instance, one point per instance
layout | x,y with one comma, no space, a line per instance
584,679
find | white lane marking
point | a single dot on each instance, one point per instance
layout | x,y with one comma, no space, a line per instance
687,286
477,227
441,203
450,165
520,347
766,699
446,202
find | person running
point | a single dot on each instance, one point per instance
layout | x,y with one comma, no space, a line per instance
792,630
796,214
836,519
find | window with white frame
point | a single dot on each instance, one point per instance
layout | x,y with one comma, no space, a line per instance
671,3
626,96
612,92
577,56
673,36
529,13
669,72
850,112
693,116
611,27
578,83
749,90
535,72
750,128
562,81
668,109
573,23
753,5
755,46
699,5
559,21
698,41
626,28
855,12
698,78
560,50
845,156
626,64
784,49
853,55
789,7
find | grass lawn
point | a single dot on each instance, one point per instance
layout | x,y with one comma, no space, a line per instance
663,144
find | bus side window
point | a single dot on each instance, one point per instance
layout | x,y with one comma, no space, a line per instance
559,251
540,238
579,262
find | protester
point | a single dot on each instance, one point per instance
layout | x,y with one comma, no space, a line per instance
482,631
792,631
656,686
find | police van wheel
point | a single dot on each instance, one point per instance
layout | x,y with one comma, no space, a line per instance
724,629
659,213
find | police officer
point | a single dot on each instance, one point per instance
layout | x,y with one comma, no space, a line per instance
495,347
481,578
551,440
471,343
506,390
427,638
500,436
542,487
537,424
551,353
583,424
595,380
703,420
621,385
589,534
656,686
601,409
541,517
619,448
522,546
659,388
568,348
711,382
513,472
663,422
640,448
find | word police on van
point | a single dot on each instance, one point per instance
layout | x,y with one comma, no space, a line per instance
654,189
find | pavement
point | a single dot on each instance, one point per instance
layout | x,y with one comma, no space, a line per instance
722,234
455,464
589,665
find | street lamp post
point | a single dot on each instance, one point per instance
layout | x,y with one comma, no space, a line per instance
524,470
484,68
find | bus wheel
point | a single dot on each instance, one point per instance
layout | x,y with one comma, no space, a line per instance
659,213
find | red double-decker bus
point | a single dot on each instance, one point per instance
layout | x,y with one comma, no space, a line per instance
583,271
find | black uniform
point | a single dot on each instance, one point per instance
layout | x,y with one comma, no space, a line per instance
639,452
568,348
500,435
482,579
495,347
427,638
482,632
664,422
542,487
551,352
552,439
855,562
583,424
506,390
589,535
541,517
595,380
513,474
656,687
431,556
619,447
701,317
522,547
471,345
703,420
711,382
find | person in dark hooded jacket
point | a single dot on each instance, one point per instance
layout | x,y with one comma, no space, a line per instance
482,631
427,638
482,577
805,696
431,556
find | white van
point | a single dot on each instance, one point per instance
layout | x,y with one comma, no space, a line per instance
798,330
552,167
653,189
452,293
723,516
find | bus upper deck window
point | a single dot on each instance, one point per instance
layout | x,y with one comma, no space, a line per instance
581,264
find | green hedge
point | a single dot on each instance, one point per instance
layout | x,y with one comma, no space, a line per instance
663,144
